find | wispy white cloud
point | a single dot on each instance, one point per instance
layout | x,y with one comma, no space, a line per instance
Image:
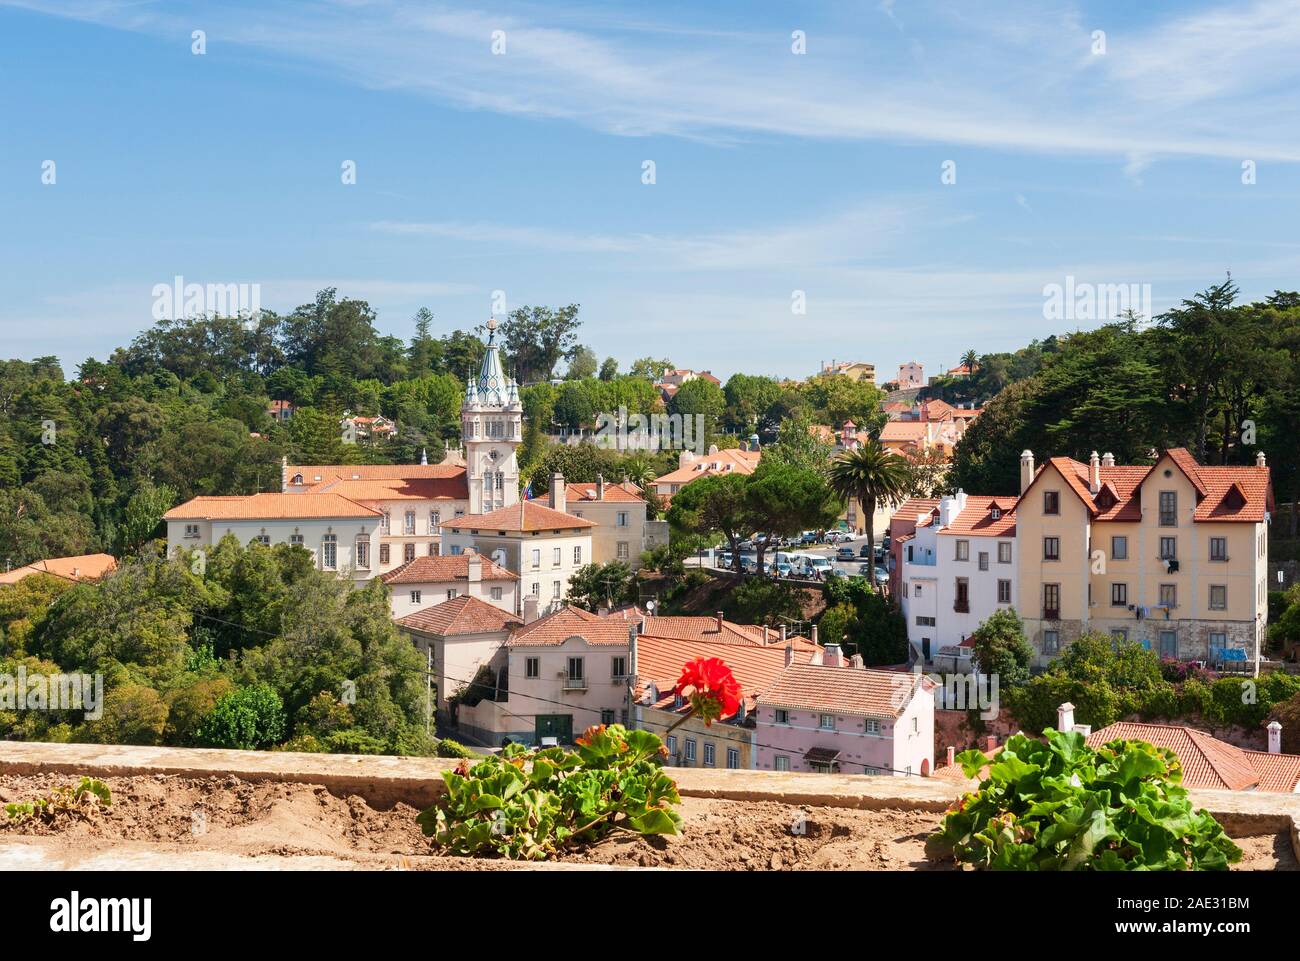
1023,79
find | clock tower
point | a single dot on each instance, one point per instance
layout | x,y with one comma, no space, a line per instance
491,430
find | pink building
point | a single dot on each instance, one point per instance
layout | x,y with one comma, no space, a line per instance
836,717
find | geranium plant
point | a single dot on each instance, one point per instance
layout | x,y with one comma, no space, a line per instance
711,689
1059,805
529,805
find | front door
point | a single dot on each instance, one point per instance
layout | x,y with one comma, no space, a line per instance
1168,644
555,725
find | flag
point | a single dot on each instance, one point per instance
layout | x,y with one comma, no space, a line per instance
528,491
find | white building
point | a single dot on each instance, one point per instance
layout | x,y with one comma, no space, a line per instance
427,581
958,567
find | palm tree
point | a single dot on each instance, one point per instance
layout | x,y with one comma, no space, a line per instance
970,360
872,475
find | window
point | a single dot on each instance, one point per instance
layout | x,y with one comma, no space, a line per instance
1169,595
923,621
555,590
1119,548
532,667
329,552
963,550
709,754
555,557
386,523
1219,641
1168,644
1051,642
621,520
781,762
415,597
1218,548
618,667
433,548
296,540
1168,508
435,517
826,722
607,717
1119,634
916,590
690,749
1052,602
916,725
733,758
781,716
537,557
1004,552
984,560
496,593
537,588
962,603
672,743
1119,595
457,550
452,594
577,556
1051,548
1051,502
408,552
576,669
623,552
1004,592
1168,548
191,530
1218,597
363,554
383,553
262,539
872,726
408,523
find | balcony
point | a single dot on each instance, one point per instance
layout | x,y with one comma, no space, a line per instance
1051,613
961,606
575,684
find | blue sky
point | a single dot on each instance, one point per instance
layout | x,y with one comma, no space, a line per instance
522,171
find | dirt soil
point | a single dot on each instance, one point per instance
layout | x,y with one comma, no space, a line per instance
164,814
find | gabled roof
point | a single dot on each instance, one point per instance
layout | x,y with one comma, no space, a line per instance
913,506
1208,762
556,628
452,486
81,567
460,615
976,518
842,690
447,567
524,517
731,461
903,432
270,507
627,493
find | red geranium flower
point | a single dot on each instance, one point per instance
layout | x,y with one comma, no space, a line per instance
711,688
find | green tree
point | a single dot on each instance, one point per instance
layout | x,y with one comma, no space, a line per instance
247,719
1000,648
871,475
535,339
713,505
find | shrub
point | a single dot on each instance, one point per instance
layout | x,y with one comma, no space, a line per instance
89,794
527,805
1060,805
449,748
247,719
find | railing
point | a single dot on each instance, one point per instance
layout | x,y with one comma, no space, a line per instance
1051,613
575,683
961,607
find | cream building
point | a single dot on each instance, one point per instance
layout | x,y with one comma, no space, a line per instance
1173,556
619,512
427,581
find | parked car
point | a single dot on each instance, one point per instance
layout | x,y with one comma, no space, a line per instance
820,565
723,559
745,546
864,570
844,554
882,575
881,554
833,537
847,537
865,551
784,570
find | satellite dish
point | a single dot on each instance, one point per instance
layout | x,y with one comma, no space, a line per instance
650,606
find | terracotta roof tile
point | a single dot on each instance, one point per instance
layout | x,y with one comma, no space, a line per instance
269,507
320,473
454,486
624,493
976,519
556,628
81,567
518,518
447,567
1206,761
460,615
842,690
731,461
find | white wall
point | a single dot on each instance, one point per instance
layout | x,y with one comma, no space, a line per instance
347,531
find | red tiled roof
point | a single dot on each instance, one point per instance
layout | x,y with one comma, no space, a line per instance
1206,761
910,508
556,628
842,690
1277,772
627,493
320,473
976,519
81,567
518,518
731,461
903,431
659,661
447,567
454,486
269,507
460,615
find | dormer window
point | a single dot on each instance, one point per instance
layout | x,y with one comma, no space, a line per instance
995,513
297,479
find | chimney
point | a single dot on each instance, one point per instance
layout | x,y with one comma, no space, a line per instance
1026,469
600,487
814,633
765,634
284,474
530,608
557,492
1108,459
789,654
1094,473
832,656
1274,732
1065,717
785,631
952,755
474,568
631,650
1259,459
991,742
857,663
718,622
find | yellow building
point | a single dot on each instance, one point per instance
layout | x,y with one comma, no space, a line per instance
1173,556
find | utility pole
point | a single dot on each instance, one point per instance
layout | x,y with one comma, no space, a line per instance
428,692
